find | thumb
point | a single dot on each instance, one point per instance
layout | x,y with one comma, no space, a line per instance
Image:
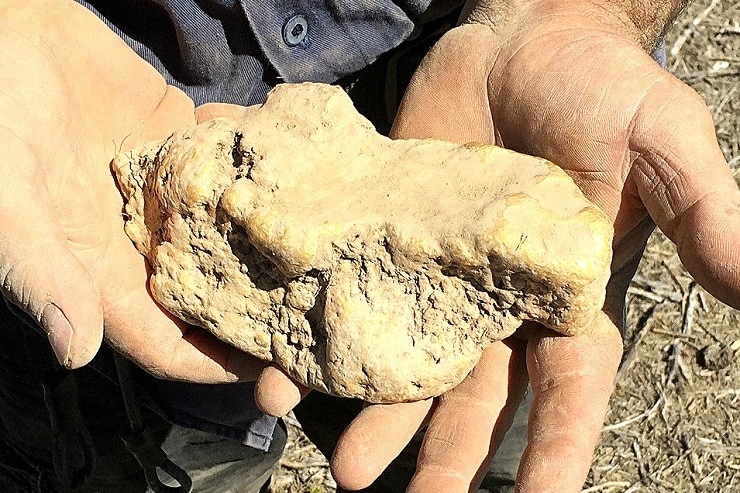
40,275
209,111
687,186
434,106
49,283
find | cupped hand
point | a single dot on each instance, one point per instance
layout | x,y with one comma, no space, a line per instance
72,95
575,88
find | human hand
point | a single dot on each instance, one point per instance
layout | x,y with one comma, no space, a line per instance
72,94
573,85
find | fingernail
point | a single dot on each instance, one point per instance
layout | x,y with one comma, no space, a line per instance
59,331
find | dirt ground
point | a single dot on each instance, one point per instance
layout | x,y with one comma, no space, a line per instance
672,422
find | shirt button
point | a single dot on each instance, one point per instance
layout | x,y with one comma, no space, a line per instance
295,30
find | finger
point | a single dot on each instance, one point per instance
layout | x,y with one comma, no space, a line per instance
572,380
210,111
171,352
687,187
39,274
276,393
221,362
174,111
157,341
167,348
374,438
49,283
470,422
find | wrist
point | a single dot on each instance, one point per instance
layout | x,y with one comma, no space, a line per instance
641,21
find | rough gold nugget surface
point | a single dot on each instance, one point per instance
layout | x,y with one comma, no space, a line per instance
363,266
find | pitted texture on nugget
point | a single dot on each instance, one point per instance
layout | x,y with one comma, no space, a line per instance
364,266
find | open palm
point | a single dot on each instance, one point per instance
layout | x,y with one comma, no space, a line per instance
641,145
72,94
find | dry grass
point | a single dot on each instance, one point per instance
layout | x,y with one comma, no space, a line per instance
671,423
302,469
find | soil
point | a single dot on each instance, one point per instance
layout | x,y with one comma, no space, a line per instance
671,424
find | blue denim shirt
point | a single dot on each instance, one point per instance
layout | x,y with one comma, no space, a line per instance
235,51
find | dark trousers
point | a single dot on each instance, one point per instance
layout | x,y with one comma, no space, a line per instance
37,456
28,437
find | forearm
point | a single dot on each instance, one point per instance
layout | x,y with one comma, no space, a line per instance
644,20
